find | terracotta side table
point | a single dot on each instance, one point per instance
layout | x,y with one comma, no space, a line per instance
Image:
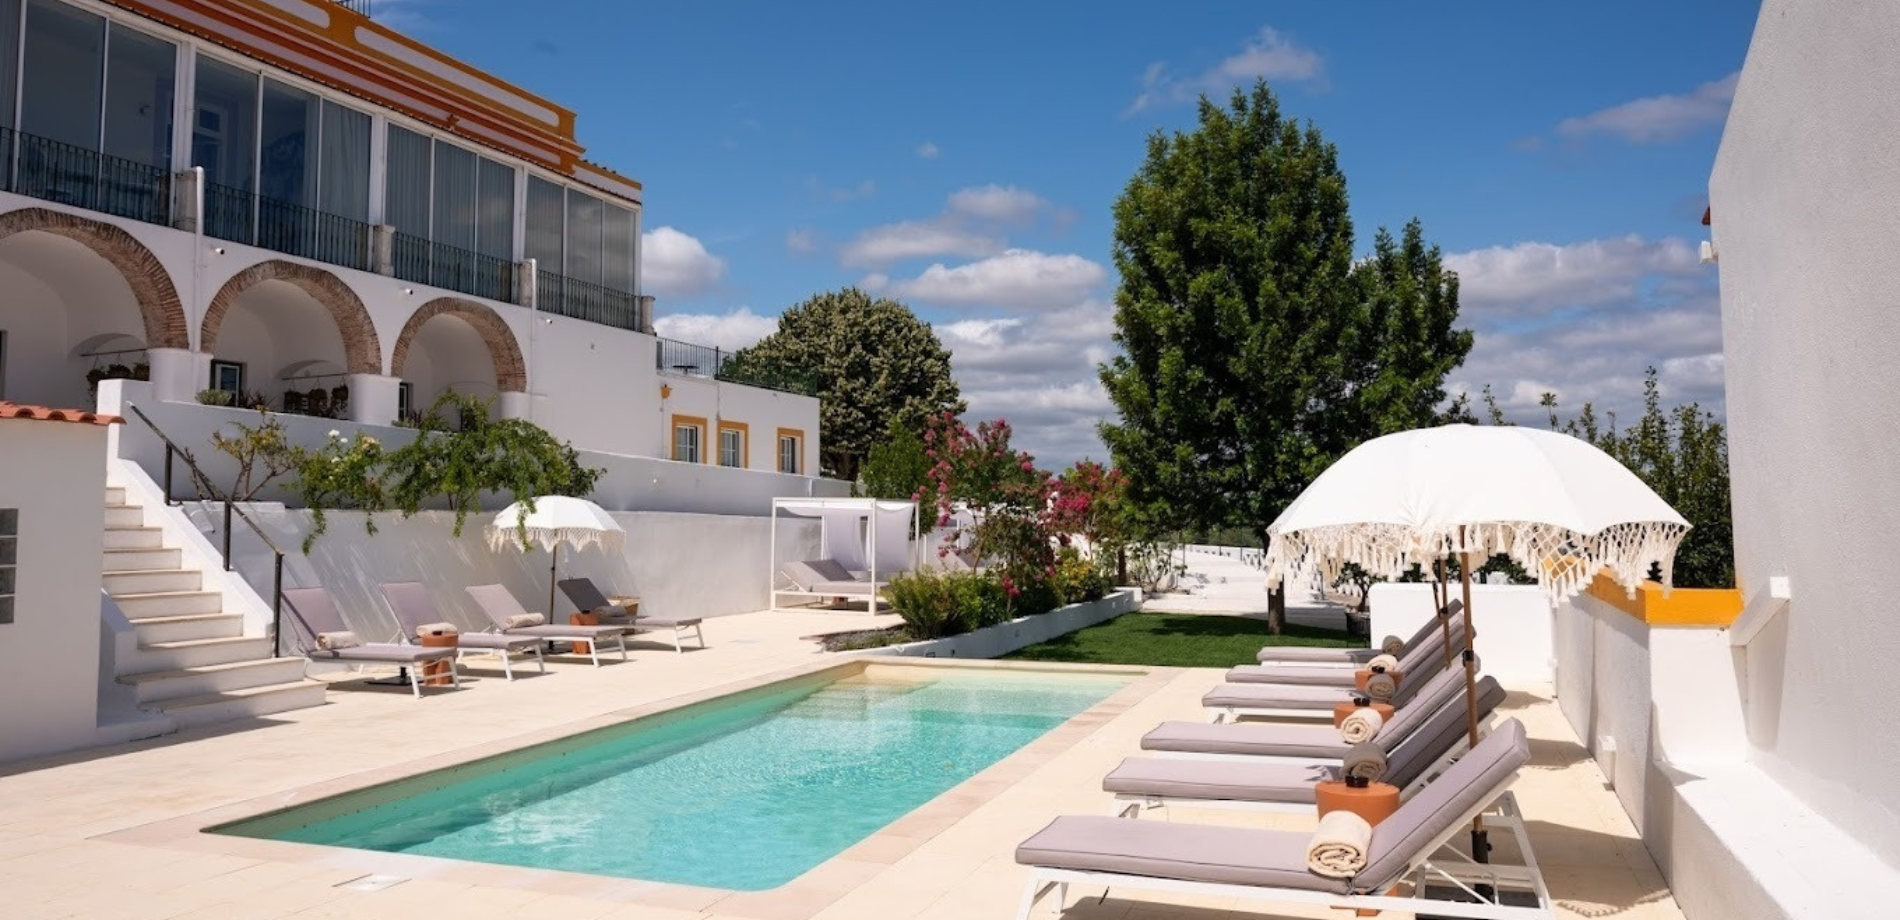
1342,710
1376,802
1362,675
630,602
436,673
582,619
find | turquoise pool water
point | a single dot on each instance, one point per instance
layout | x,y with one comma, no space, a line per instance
744,794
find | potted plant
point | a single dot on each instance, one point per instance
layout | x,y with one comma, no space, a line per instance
216,397
93,377
142,371
293,402
118,372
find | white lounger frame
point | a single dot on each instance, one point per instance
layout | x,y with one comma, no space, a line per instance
1484,728
679,632
1453,867
507,658
414,671
593,643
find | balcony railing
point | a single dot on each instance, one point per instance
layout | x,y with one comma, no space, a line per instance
558,294
364,7
270,223
706,361
427,262
64,173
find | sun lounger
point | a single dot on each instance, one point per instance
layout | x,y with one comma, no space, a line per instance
828,578
500,605
1297,743
1282,786
1419,663
1304,655
588,598
312,612
1232,701
414,609
1410,848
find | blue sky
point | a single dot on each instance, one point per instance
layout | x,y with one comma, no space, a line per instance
965,158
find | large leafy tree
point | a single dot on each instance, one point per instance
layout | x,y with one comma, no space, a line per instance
873,362
1254,351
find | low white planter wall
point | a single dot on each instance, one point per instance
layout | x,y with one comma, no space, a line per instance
1513,621
1003,638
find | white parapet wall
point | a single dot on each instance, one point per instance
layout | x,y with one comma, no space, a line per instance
1513,625
1022,632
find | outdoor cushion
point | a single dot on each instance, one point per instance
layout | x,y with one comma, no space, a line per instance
1294,675
1317,741
383,653
1315,654
1157,849
1268,781
1441,730
331,641
667,622
1276,696
829,570
1442,804
583,633
802,575
487,640
842,588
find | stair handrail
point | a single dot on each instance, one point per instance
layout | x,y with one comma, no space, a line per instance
205,487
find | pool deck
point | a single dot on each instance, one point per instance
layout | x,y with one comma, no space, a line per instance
111,834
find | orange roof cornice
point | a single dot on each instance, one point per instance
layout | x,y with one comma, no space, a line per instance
44,414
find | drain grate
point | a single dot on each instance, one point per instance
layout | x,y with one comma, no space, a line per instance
372,883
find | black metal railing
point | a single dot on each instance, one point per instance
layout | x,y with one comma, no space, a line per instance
205,488
283,226
673,357
444,266
55,171
558,294
361,6
768,379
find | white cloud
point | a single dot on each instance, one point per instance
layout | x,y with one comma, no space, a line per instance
1534,278
1657,119
674,264
801,242
1039,372
1269,55
731,331
1002,203
890,243
1016,278
928,151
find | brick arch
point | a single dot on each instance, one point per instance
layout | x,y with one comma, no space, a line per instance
151,284
511,372
363,353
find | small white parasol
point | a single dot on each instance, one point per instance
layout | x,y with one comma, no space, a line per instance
554,521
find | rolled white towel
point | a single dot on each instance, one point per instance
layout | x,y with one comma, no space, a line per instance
438,629
342,638
1361,725
520,620
1339,846
1364,760
1392,645
1381,687
1383,661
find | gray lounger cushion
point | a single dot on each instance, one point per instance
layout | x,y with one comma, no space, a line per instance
550,631
1200,853
1443,804
312,611
587,597
1342,656
1219,779
382,653
1420,662
1276,696
487,640
829,570
1316,741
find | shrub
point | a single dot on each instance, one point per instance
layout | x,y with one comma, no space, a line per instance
929,608
216,397
1078,579
979,598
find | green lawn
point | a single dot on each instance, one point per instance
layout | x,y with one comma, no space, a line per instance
1176,640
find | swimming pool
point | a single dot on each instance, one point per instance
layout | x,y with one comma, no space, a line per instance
744,793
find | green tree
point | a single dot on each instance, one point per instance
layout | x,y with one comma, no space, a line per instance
896,467
872,361
1254,353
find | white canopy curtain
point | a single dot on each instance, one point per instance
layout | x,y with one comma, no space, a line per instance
866,535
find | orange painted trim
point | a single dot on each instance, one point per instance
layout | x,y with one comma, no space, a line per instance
745,441
804,463
675,423
1717,607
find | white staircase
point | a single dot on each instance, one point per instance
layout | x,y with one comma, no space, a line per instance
194,662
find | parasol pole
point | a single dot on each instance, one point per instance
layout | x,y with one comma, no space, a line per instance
554,563
1441,593
1480,843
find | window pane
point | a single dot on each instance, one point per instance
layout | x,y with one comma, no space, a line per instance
617,250
584,216
731,447
140,82
9,57
288,165
344,187
547,220
454,196
224,124
65,52
495,210
407,184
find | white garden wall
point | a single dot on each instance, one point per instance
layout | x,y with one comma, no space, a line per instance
1513,625
1022,632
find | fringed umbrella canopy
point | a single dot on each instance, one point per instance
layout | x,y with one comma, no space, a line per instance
556,519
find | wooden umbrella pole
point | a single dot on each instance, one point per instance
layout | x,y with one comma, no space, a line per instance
1441,593
1480,842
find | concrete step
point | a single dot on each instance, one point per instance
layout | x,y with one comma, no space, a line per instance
239,704
115,495
146,604
192,653
189,627
134,537
143,559
125,516
152,582
183,683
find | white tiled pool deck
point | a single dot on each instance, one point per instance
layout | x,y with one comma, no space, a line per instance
111,834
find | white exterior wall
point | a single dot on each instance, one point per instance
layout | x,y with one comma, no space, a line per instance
1806,211
762,412
1513,638
54,473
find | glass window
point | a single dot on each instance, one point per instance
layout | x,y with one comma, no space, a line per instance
224,125
686,443
65,54
454,196
343,187
731,447
495,210
407,183
787,454
617,250
9,58
584,216
228,376
547,223
287,162
141,75
9,557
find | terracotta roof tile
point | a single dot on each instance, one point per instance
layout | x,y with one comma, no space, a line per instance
44,414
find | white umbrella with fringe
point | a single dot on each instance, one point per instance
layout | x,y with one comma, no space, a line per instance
554,520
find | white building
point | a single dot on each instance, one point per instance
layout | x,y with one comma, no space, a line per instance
293,202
